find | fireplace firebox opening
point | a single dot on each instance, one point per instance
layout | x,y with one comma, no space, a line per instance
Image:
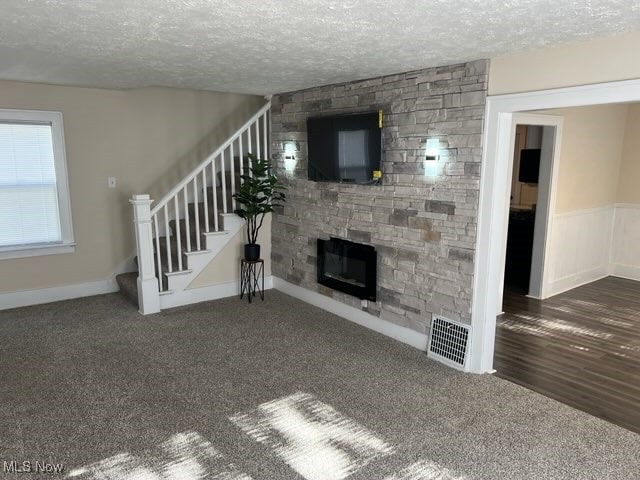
348,267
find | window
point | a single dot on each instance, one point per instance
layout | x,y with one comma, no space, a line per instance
35,213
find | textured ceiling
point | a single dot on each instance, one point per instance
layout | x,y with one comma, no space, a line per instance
269,46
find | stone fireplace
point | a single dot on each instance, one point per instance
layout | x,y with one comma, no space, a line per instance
422,223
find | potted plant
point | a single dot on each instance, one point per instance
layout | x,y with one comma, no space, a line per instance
259,192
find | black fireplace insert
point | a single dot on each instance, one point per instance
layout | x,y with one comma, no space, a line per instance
347,267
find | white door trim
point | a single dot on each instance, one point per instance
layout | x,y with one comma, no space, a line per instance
547,174
547,191
495,190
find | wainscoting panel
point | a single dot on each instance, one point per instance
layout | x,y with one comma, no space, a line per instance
625,244
579,249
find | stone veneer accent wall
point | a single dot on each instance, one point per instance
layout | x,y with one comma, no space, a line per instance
423,226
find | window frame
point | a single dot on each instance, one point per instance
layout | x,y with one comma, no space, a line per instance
67,244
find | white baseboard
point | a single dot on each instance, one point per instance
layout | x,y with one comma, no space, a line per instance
205,294
625,255
23,298
37,296
397,332
630,272
574,281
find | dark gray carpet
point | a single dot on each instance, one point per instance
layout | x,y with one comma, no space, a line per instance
91,380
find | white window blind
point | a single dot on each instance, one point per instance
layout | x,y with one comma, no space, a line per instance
29,210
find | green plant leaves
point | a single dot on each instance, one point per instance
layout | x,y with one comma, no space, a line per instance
257,195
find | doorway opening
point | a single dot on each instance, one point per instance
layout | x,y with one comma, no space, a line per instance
493,211
528,190
535,147
570,331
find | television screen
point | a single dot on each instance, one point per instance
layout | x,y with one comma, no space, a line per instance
344,148
529,165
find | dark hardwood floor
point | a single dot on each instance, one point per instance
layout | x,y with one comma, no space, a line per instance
581,347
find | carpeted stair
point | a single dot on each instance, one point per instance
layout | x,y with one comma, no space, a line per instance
128,281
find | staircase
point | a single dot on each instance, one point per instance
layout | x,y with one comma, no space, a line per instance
191,224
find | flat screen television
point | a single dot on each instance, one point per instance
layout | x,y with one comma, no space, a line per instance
529,165
344,148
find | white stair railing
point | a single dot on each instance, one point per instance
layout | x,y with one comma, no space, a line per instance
154,224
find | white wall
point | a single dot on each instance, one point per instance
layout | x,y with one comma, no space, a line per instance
590,244
579,248
625,247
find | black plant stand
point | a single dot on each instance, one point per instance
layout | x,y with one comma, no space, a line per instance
252,278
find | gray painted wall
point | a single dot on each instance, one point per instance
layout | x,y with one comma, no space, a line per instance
423,226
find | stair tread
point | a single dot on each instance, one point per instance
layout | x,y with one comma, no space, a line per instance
184,271
128,281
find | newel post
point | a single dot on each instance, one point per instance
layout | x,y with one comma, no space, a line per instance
148,293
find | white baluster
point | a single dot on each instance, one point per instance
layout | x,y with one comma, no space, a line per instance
205,200
224,183
233,177
265,135
214,184
196,213
257,125
158,254
249,150
148,294
187,224
178,236
168,237
241,154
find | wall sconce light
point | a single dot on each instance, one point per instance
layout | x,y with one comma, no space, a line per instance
289,157
433,149
431,157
